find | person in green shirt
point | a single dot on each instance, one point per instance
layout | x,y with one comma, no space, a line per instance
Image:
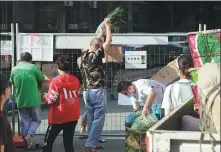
25,77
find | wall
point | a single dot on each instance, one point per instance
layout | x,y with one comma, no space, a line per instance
151,17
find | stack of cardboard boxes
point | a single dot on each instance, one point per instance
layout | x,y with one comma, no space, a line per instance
114,53
169,74
50,71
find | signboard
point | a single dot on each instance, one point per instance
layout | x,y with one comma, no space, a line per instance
40,45
73,42
135,59
6,48
129,39
82,41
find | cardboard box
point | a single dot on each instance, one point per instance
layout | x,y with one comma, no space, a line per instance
114,54
38,64
50,71
44,88
135,140
168,74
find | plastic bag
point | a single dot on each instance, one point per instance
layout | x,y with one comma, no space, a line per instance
129,120
131,117
138,114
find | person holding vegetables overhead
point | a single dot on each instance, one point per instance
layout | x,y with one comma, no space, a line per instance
95,81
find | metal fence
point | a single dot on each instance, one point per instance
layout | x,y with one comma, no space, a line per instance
157,56
7,61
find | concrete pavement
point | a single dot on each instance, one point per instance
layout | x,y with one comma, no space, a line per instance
114,144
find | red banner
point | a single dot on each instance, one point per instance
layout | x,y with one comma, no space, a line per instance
193,37
194,52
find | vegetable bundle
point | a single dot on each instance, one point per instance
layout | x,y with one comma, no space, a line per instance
143,123
117,17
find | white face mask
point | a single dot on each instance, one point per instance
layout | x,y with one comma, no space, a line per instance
130,94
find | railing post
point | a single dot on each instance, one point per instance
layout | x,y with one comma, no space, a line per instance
12,65
204,27
200,27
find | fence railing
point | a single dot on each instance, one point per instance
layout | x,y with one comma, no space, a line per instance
157,56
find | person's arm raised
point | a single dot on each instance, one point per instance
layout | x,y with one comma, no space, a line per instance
108,33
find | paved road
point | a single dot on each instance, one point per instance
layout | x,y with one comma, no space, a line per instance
114,123
114,144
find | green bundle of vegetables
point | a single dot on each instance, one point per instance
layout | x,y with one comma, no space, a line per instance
116,17
138,114
143,123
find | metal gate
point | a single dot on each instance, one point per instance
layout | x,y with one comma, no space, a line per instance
7,62
157,56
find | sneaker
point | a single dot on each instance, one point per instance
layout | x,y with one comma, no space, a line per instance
28,139
101,140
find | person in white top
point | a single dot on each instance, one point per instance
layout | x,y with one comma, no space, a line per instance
178,92
144,93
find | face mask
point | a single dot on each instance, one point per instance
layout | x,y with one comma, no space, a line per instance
130,94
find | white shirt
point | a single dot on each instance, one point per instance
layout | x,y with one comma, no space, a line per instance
176,94
143,88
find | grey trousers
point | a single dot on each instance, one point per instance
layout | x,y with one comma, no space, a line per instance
29,120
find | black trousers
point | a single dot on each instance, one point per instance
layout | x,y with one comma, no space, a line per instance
68,135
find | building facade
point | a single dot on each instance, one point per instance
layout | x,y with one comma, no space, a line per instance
85,16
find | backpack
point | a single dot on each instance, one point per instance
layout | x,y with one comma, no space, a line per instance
19,141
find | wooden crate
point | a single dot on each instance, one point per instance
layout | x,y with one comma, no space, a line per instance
135,139
130,148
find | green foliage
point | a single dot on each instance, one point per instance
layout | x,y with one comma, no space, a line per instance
143,123
117,17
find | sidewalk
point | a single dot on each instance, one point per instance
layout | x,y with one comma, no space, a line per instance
114,144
